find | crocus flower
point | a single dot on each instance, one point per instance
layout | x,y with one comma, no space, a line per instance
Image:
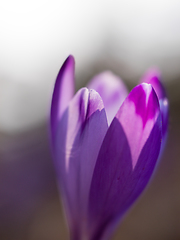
105,145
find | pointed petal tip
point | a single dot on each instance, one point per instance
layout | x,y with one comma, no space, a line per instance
63,91
71,56
67,68
71,59
153,77
68,63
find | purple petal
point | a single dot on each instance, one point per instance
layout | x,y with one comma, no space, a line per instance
138,115
126,160
81,131
112,91
153,77
63,92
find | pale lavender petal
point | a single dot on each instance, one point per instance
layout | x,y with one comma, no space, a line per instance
80,133
153,77
112,91
119,176
63,92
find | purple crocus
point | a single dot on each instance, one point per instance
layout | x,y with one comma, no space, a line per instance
105,144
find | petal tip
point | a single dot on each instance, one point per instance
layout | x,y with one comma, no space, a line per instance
71,59
63,91
145,101
69,62
153,76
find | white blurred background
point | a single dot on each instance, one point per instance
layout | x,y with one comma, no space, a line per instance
36,37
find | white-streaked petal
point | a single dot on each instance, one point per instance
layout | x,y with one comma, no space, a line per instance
81,131
138,115
126,160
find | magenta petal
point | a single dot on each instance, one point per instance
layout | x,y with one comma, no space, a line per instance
63,92
153,77
112,91
119,177
138,115
81,131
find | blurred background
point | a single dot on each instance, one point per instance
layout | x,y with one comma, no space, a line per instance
126,37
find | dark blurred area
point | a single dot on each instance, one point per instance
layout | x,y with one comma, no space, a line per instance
27,182
30,208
